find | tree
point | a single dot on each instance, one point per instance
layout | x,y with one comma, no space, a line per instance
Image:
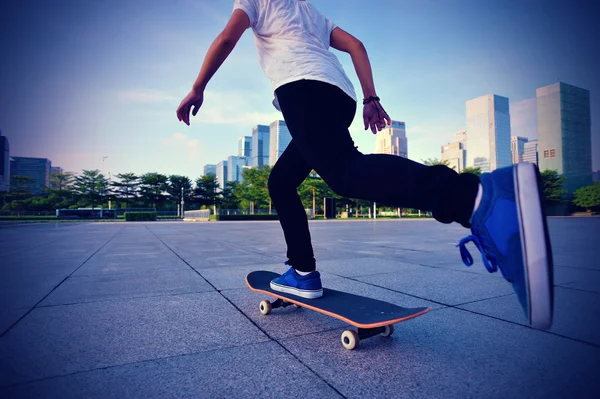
126,188
473,170
179,187
552,186
254,188
89,187
152,189
435,161
205,191
228,197
588,197
18,193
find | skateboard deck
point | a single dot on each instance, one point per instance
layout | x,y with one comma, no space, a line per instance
370,316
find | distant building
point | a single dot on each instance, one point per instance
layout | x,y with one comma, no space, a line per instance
392,140
455,153
235,166
37,169
4,163
595,175
260,146
530,152
278,141
564,133
245,148
488,124
210,170
54,170
517,148
222,174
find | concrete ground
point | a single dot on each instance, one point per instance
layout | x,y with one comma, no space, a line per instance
161,309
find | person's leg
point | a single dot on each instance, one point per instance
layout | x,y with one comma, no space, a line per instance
508,227
301,278
318,116
289,172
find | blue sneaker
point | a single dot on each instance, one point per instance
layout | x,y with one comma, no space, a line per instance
509,229
290,282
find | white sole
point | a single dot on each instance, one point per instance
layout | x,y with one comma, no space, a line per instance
537,258
308,294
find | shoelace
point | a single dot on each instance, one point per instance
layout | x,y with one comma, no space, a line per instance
489,260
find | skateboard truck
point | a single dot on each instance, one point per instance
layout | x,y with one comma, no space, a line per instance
350,338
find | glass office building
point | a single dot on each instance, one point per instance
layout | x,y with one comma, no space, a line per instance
245,148
488,127
278,141
235,166
38,169
564,133
260,145
530,152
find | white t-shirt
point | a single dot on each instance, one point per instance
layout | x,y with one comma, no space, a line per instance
292,39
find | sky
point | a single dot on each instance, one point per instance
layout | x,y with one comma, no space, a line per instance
81,80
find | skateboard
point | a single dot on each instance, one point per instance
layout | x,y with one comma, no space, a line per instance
371,316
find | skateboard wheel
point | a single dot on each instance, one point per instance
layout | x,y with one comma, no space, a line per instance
350,339
265,307
297,306
389,330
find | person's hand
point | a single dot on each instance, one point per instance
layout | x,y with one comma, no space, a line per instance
375,116
194,98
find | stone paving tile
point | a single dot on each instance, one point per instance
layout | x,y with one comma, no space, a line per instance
576,313
224,278
577,278
79,289
259,370
59,340
449,287
449,353
24,294
10,316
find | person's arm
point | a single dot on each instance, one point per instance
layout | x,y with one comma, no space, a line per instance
374,116
221,47
343,41
217,53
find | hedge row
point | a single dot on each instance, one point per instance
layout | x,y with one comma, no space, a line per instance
244,217
140,216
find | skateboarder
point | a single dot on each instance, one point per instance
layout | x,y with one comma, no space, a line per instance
318,102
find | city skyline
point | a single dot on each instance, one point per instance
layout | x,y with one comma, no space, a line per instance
108,86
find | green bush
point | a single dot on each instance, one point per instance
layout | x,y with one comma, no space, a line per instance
246,217
140,216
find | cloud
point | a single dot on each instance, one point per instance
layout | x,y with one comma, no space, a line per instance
183,142
236,108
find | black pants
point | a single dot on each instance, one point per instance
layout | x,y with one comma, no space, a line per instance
318,115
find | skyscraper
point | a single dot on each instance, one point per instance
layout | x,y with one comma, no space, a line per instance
222,174
37,169
210,169
454,153
530,152
245,148
4,163
392,140
488,127
260,146
517,147
564,133
278,141
235,166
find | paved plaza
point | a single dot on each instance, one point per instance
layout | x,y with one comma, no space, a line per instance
145,310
